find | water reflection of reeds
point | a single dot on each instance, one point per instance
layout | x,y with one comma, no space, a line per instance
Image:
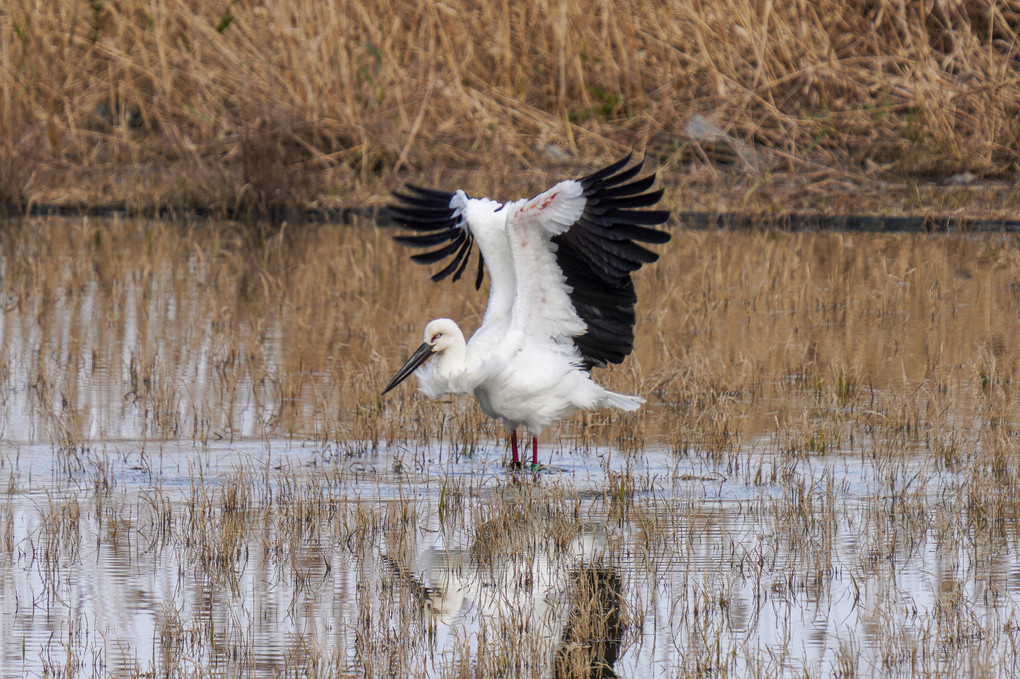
200,470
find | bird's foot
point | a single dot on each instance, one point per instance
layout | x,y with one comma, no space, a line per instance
520,466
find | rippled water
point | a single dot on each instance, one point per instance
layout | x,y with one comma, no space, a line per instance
808,575
188,491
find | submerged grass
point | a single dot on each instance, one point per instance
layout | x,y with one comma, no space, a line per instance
746,104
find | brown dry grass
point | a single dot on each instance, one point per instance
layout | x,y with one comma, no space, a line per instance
250,104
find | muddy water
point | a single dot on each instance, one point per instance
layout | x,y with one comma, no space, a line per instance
200,480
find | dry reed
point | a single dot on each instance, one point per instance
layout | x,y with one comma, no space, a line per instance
746,104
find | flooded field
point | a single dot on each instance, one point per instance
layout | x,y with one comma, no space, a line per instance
201,478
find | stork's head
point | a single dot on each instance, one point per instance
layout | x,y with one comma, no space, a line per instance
441,335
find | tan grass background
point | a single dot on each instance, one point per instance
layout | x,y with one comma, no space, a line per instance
744,104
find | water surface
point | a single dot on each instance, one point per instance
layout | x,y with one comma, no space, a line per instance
202,479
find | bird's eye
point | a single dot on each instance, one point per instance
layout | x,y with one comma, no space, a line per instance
437,336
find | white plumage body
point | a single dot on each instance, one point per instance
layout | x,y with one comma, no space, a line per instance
542,384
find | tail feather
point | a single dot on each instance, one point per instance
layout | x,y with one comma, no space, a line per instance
622,401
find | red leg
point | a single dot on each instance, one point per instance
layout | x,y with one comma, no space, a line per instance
534,451
513,446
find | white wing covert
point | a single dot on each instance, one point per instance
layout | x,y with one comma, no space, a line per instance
542,305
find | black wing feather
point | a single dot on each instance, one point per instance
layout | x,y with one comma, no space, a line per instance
456,265
441,253
428,202
481,272
432,218
607,171
464,256
600,251
423,240
636,186
438,194
630,201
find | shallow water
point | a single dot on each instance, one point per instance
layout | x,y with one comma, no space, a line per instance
200,478
807,576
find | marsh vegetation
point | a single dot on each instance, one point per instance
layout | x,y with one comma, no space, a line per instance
202,480
745,104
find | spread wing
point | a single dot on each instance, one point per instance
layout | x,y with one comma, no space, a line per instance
438,218
601,249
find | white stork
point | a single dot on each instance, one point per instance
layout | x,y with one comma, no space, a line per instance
561,298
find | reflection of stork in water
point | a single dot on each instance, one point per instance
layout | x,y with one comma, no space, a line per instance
567,603
561,299
594,628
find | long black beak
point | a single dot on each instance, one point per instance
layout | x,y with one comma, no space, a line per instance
420,355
